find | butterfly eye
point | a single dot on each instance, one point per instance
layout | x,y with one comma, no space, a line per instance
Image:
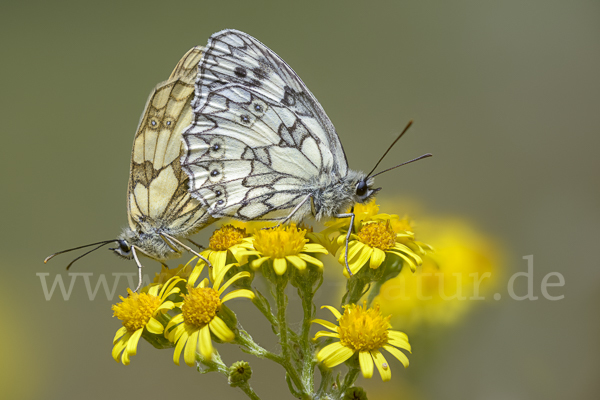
361,188
124,247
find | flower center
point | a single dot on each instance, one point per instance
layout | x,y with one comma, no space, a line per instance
227,236
200,306
362,328
280,242
136,310
378,234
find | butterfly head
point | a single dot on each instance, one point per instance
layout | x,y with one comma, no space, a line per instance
123,249
148,241
364,189
337,195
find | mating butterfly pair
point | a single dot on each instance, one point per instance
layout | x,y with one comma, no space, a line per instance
246,140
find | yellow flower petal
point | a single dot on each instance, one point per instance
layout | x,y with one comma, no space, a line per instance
403,344
366,363
133,342
169,287
221,330
377,258
311,260
239,275
154,290
398,335
249,294
382,365
255,264
125,358
196,273
334,311
410,262
314,248
206,347
326,334
326,324
353,249
297,262
334,354
183,338
175,321
361,260
219,275
398,354
218,259
154,326
280,266
118,347
189,354
121,332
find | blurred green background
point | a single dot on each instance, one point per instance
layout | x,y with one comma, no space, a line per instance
506,95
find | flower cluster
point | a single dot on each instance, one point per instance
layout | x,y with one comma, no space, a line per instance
184,308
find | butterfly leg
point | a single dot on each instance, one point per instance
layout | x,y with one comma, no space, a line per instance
351,216
171,238
304,200
139,265
199,246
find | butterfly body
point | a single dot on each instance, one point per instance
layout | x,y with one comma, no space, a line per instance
260,146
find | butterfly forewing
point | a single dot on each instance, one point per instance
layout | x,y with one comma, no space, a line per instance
259,137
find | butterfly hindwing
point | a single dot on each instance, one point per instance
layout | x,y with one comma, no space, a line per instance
259,136
158,187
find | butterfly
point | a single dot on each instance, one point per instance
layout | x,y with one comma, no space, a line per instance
160,209
260,146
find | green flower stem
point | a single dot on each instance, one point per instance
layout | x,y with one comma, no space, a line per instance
251,347
292,389
325,381
349,379
355,290
263,305
306,294
214,364
281,300
246,388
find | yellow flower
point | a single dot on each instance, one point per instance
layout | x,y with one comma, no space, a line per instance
160,278
138,311
362,213
191,330
465,265
364,331
371,244
226,240
282,245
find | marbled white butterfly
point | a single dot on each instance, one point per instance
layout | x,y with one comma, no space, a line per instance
260,145
160,209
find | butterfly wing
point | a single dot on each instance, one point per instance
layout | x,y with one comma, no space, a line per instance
158,194
259,139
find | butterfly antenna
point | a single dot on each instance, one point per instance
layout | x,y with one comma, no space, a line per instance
389,148
404,163
104,242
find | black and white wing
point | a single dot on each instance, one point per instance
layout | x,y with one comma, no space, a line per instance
259,139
